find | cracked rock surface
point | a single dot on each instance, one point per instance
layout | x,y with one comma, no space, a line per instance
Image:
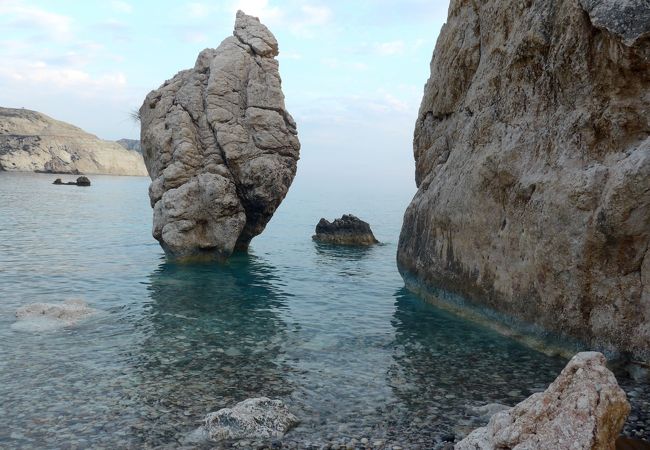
584,408
220,147
532,158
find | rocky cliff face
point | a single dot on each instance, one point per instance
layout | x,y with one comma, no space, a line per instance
533,167
220,146
33,142
130,144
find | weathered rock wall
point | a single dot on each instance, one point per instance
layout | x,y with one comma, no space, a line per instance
220,147
533,167
33,142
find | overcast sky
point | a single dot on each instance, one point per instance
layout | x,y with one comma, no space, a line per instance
353,70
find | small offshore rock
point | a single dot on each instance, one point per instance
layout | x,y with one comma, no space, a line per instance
83,181
584,408
50,316
348,230
254,418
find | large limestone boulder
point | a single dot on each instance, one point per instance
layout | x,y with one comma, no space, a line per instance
533,167
33,142
583,409
220,146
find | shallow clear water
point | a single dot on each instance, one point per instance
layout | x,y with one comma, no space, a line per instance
331,331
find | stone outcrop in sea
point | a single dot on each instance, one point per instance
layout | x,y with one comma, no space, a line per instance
51,316
254,418
33,142
220,147
584,408
81,181
532,158
348,230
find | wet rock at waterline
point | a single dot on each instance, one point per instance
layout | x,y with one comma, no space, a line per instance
532,158
254,418
348,230
219,145
51,316
584,408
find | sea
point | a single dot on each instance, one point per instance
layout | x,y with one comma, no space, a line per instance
331,331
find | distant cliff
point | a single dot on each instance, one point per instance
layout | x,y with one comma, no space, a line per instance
130,144
532,158
33,142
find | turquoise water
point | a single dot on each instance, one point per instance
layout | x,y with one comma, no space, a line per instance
330,331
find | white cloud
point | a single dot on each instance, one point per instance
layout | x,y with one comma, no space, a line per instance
390,48
259,8
19,15
195,37
316,15
198,10
290,55
336,63
122,7
310,17
45,76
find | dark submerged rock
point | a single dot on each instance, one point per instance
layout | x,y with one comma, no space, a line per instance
348,230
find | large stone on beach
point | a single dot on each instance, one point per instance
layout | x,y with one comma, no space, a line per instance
532,158
348,230
219,145
583,409
254,418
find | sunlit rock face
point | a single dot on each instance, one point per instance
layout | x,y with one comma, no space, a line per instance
533,167
219,145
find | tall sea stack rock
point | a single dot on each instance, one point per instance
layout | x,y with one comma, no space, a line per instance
220,147
532,158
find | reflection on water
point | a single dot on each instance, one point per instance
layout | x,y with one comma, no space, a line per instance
328,330
212,337
444,365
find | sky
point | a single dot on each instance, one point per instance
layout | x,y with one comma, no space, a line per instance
353,71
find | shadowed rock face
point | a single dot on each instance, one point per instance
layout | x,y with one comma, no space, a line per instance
219,145
533,167
584,408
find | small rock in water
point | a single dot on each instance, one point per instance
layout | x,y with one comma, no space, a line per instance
583,408
51,316
348,230
254,418
81,181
